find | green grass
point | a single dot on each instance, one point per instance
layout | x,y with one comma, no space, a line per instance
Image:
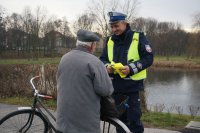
31,61
27,101
167,120
177,59
150,119
24,101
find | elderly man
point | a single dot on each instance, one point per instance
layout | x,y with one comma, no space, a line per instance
81,80
133,51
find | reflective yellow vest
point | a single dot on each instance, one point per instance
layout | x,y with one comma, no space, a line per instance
132,55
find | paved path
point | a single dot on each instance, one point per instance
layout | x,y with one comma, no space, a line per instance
5,109
151,130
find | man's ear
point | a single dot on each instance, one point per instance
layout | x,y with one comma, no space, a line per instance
93,46
90,47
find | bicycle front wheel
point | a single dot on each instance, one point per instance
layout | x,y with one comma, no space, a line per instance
111,125
20,122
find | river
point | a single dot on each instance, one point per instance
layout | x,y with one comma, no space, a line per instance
174,90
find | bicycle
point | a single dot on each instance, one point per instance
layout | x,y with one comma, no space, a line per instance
35,119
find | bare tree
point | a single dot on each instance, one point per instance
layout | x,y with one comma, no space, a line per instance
65,30
14,29
129,7
55,30
32,26
100,9
36,25
193,110
196,20
27,18
48,29
51,24
55,24
139,24
84,21
14,21
193,45
68,37
151,25
58,25
2,29
40,15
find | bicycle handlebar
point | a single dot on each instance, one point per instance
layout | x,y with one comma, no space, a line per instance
36,92
31,81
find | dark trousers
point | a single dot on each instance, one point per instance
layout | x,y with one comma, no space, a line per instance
133,114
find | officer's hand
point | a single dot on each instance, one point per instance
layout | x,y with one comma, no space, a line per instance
125,70
109,69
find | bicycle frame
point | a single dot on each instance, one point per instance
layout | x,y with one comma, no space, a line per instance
36,107
39,107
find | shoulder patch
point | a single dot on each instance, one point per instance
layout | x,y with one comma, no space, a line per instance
148,48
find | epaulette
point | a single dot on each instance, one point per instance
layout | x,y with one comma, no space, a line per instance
138,31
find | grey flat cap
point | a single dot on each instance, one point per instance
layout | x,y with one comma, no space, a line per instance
87,36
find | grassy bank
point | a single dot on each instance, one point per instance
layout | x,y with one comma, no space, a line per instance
179,62
150,119
26,101
159,61
31,61
167,120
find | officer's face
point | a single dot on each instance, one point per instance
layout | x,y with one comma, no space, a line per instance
118,28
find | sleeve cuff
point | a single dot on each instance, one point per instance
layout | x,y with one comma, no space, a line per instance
106,64
133,67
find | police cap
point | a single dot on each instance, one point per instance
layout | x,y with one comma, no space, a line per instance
116,17
87,36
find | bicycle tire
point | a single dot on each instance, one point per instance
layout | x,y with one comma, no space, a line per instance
109,125
14,121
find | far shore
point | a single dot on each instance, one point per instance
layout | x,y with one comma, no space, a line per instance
176,64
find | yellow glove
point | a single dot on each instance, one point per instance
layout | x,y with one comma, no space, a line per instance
117,67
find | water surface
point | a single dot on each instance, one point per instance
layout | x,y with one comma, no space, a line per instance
173,87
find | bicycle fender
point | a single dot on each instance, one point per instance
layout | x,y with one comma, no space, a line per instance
25,108
22,108
121,124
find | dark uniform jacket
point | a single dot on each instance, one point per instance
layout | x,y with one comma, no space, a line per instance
121,47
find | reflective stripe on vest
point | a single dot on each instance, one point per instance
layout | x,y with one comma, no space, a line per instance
132,55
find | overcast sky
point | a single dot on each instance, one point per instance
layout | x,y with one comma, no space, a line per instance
163,10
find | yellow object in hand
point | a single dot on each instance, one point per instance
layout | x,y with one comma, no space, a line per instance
117,67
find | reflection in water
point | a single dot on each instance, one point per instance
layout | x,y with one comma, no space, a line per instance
173,87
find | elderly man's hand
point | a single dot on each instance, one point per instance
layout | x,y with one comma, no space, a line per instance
125,70
109,69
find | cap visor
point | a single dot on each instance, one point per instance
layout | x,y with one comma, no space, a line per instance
113,22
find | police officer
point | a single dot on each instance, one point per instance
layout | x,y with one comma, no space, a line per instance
81,80
133,51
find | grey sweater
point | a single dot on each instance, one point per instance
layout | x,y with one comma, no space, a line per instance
81,80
